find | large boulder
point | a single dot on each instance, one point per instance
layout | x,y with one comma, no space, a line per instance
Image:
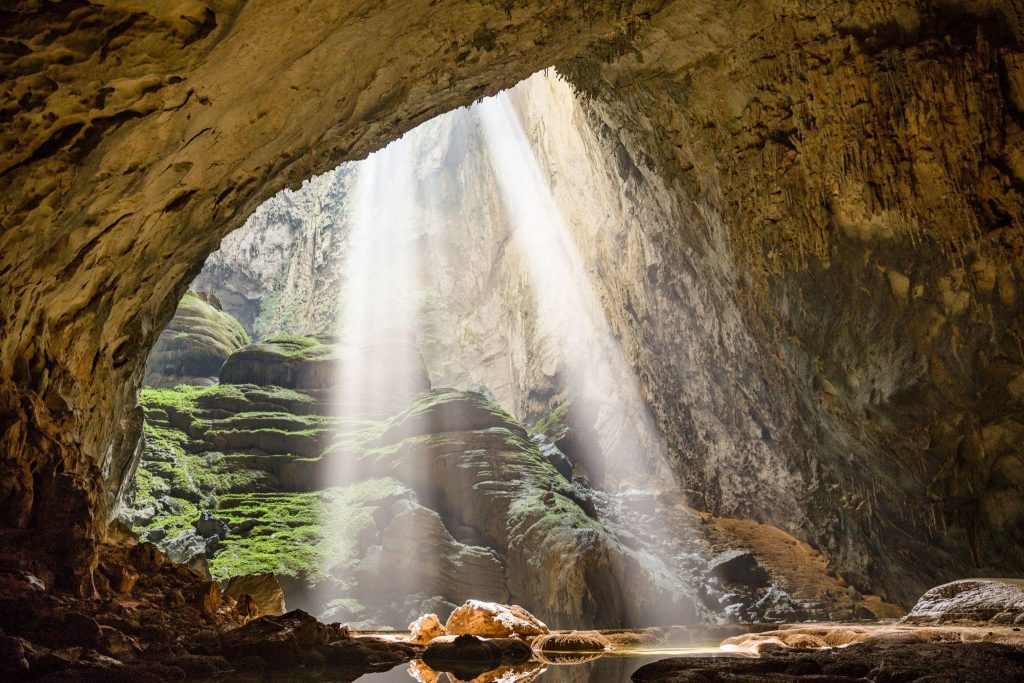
264,589
195,344
493,620
999,601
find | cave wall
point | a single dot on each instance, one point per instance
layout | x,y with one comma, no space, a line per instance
845,179
851,178
136,136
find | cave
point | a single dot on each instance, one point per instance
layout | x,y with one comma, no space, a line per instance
607,340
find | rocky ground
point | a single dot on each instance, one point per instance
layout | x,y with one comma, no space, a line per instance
152,620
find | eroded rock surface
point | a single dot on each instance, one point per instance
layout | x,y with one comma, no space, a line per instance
195,344
972,600
832,236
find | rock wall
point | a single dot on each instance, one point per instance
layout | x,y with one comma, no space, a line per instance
138,136
851,181
841,260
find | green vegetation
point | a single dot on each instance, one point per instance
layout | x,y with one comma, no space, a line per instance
554,425
309,535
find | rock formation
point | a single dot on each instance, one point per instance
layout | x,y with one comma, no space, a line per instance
829,224
195,344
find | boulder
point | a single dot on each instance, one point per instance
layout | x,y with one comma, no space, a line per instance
1000,601
189,549
264,589
425,629
281,641
209,525
739,566
494,620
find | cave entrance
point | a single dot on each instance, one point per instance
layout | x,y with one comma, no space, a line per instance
398,388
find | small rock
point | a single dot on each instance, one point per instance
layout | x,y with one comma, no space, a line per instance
426,628
493,620
244,527
115,643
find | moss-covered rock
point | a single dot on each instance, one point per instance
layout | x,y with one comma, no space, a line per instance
195,344
370,520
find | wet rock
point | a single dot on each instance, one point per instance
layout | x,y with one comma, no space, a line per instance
369,653
573,641
282,640
962,662
426,628
641,502
740,567
493,620
264,589
468,656
1000,601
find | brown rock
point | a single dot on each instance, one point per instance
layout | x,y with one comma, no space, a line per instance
208,598
493,620
572,641
426,628
265,591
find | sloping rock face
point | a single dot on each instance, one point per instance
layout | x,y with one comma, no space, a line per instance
840,257
972,600
195,344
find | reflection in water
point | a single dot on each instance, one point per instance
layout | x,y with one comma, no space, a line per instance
608,668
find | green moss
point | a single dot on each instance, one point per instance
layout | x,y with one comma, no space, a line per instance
308,535
554,425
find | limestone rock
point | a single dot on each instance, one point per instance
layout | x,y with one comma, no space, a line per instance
998,601
492,620
264,589
426,628
739,566
208,525
195,344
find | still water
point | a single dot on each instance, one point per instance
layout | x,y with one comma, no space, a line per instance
614,667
